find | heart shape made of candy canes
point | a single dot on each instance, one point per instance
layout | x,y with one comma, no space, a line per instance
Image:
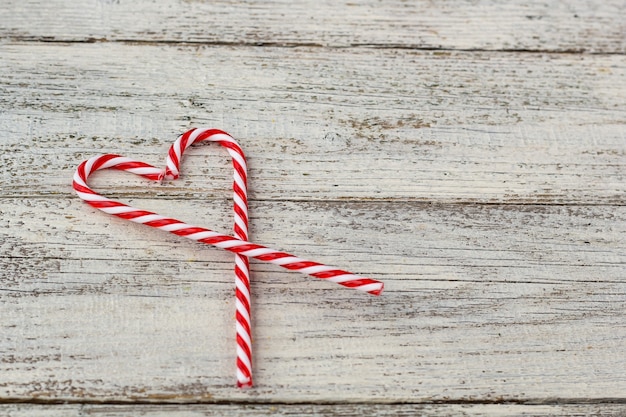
238,244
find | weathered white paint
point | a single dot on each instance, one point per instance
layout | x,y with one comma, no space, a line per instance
575,25
485,188
343,410
462,127
482,302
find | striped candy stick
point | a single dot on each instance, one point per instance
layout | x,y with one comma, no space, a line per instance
240,247
243,323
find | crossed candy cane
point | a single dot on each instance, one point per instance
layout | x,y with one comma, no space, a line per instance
238,244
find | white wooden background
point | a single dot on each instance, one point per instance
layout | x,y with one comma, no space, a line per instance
470,154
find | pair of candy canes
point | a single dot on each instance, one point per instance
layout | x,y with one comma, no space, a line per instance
237,244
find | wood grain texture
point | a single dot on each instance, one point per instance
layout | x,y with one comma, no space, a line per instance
471,155
573,26
384,125
330,410
476,307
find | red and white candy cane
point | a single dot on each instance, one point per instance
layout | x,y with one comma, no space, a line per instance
242,265
237,244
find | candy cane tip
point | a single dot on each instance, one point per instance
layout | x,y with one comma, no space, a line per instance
245,384
378,291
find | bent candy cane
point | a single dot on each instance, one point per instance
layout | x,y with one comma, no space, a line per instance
238,244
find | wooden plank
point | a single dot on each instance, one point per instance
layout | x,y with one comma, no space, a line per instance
496,303
383,125
494,25
344,410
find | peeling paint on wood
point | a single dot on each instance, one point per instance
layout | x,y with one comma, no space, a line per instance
343,410
478,173
575,26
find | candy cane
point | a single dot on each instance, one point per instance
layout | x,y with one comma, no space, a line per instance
242,266
237,244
